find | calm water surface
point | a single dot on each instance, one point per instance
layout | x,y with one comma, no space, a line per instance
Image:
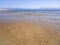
38,16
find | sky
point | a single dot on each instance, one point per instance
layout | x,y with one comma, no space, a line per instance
29,3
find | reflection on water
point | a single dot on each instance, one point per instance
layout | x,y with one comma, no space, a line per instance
37,16
7,16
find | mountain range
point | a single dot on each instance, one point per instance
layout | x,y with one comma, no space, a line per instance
29,9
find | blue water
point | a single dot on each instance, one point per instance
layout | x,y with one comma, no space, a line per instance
8,16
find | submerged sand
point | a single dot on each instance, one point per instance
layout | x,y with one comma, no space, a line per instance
29,31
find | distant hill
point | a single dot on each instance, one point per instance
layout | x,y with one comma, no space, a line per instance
17,9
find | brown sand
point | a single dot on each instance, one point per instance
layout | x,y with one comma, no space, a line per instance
35,31
28,33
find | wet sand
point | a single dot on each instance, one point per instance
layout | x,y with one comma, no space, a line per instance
29,29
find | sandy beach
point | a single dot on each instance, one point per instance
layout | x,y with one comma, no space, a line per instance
29,29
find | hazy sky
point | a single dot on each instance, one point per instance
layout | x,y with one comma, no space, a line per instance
29,3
